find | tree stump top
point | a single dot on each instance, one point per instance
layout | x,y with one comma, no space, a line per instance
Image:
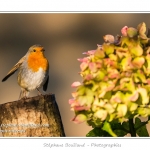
37,116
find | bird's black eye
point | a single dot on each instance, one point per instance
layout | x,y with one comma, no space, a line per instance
34,50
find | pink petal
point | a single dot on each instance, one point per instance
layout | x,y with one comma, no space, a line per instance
124,31
83,59
80,108
93,67
148,81
113,73
91,52
85,53
71,101
74,94
75,84
83,66
105,78
99,65
107,61
117,99
111,87
112,76
134,97
89,77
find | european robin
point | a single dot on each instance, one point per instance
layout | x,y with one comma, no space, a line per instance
33,71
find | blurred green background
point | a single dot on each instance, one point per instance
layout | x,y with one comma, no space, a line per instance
65,37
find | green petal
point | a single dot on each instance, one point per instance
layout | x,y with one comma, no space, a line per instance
138,62
117,98
79,118
139,77
108,49
101,114
136,50
141,28
99,53
144,95
131,32
126,63
144,112
132,107
122,110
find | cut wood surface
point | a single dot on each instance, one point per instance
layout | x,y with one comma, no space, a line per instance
32,117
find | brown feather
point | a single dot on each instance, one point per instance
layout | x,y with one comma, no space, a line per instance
14,69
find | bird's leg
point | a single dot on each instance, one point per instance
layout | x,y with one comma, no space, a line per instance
23,94
39,92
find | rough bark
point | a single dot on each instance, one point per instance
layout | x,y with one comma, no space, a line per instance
32,117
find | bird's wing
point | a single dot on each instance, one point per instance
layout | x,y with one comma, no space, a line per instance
46,84
14,69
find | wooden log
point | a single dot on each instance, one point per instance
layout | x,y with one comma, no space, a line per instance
32,117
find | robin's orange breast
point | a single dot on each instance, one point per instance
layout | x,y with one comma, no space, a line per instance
36,61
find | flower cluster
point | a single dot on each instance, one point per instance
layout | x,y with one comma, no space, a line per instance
116,79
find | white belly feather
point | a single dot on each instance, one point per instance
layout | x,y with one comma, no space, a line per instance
32,80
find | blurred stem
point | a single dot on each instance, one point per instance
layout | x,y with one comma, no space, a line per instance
131,128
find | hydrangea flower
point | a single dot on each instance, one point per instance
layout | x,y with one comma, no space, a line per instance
116,79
